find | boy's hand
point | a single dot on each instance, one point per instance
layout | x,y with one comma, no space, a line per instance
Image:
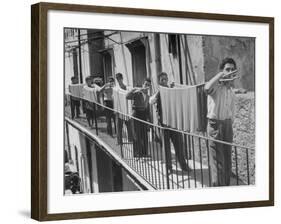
229,74
138,89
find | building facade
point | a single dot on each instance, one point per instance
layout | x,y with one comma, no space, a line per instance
187,59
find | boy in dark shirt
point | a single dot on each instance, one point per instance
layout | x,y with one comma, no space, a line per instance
107,93
140,110
89,106
74,101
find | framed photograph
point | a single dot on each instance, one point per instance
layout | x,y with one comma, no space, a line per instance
138,111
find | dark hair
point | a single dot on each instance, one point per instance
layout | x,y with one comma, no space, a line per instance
119,76
88,78
148,80
227,61
110,79
161,74
73,78
98,81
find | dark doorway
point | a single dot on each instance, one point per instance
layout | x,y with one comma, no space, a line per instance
117,177
104,167
96,44
107,65
75,62
138,52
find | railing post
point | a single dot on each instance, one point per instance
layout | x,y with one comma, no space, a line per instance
236,165
166,164
193,151
200,151
209,167
121,150
121,117
248,172
187,150
95,116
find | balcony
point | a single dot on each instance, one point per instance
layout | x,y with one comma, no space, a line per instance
144,154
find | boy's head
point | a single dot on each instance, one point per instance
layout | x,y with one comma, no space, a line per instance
98,81
147,83
111,80
74,80
228,65
163,79
89,80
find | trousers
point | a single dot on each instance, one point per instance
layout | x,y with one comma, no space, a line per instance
128,135
220,154
75,107
140,133
109,116
177,140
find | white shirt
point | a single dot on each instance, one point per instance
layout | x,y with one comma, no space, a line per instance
221,103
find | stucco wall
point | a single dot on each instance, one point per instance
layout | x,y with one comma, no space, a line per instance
241,49
195,46
244,121
244,134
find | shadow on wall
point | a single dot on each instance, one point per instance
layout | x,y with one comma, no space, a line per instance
241,49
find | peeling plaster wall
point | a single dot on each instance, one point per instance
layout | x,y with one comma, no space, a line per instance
241,49
195,46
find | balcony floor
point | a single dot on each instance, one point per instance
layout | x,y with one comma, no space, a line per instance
153,167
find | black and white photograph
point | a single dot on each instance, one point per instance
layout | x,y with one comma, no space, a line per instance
148,111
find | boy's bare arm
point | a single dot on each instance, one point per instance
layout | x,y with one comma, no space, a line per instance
153,98
130,94
213,82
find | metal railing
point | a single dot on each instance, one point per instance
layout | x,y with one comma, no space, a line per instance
165,157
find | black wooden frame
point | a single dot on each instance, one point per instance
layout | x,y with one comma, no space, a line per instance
39,110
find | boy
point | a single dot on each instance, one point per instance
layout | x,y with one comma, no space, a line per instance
220,118
121,118
174,136
89,106
74,101
140,110
107,93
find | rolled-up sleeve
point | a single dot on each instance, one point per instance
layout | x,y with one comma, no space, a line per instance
153,98
212,90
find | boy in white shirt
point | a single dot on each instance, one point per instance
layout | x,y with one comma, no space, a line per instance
221,101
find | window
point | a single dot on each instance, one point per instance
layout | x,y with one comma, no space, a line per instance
173,47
